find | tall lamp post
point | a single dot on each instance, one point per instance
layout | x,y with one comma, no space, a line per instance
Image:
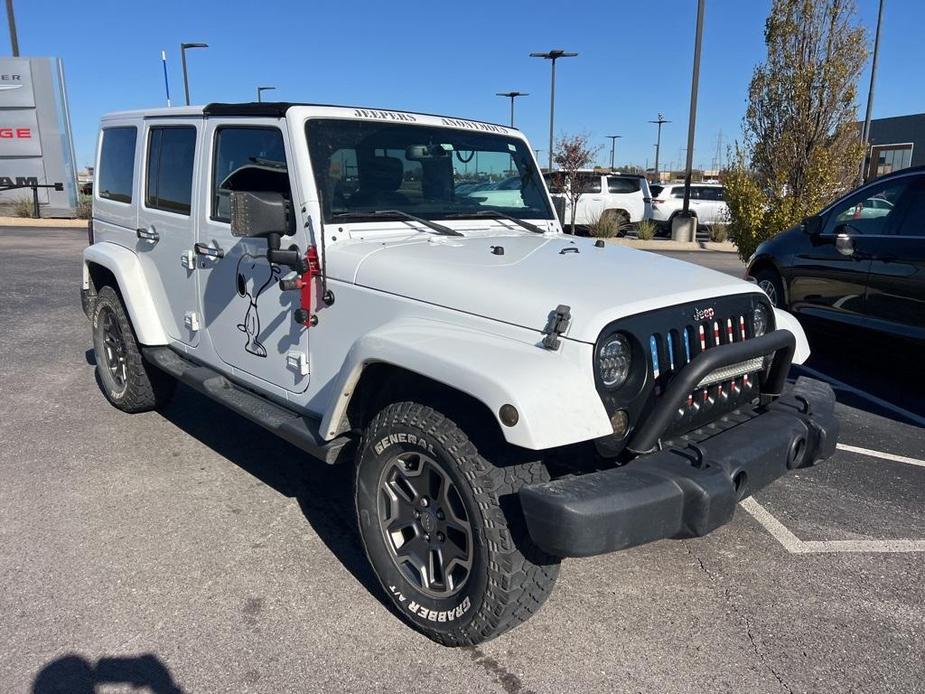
658,143
512,96
183,47
613,148
261,90
692,118
865,132
14,37
552,56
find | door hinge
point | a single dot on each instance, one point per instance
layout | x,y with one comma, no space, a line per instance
556,325
191,321
297,361
188,260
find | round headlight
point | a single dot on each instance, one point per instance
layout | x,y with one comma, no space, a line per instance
613,361
760,320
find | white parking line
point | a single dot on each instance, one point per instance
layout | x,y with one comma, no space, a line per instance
880,454
795,545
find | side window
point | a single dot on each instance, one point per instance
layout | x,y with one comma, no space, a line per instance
868,212
711,193
622,185
589,184
678,192
247,158
169,180
912,210
117,164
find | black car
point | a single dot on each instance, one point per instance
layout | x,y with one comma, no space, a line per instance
861,261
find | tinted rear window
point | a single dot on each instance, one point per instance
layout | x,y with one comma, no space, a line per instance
656,190
117,164
171,153
619,184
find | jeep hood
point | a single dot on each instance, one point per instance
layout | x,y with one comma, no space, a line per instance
533,275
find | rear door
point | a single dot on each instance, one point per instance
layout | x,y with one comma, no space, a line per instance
250,322
591,202
896,282
166,227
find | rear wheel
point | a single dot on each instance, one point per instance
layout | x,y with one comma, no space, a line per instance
125,379
443,529
770,282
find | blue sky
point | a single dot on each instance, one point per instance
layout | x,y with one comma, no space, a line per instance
635,60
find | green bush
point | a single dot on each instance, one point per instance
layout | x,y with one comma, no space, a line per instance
718,232
23,208
604,227
85,206
645,230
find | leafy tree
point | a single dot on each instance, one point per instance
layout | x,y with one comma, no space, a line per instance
573,153
800,147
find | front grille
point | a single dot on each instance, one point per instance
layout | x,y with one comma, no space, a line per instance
667,339
720,391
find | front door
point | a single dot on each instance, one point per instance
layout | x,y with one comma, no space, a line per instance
896,284
166,228
825,281
248,318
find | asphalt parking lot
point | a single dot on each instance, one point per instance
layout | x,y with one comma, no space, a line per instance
187,550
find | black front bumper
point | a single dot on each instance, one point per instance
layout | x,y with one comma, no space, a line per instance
684,491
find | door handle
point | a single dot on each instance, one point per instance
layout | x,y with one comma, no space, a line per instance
148,234
210,251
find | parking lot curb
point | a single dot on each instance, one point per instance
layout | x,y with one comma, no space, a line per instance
45,223
669,245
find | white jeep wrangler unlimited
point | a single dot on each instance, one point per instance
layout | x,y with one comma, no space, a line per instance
508,394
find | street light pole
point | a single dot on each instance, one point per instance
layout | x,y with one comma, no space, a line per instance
553,56
613,148
865,132
11,19
692,118
512,96
183,47
261,90
658,143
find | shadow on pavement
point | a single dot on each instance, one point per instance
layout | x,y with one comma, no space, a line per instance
74,674
324,492
889,369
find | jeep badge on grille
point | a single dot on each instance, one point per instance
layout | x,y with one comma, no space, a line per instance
704,313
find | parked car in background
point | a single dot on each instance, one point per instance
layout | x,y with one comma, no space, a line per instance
625,198
707,202
860,262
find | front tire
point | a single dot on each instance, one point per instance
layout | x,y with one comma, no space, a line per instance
126,380
769,281
443,529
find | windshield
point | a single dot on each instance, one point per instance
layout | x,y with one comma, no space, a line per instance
427,171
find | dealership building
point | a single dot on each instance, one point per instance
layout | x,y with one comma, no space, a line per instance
36,146
895,143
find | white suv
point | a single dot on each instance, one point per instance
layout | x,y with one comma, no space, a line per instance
707,202
623,197
506,395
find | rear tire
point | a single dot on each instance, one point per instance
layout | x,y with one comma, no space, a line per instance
127,381
770,282
443,529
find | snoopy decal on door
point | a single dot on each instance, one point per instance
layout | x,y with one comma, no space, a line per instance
254,274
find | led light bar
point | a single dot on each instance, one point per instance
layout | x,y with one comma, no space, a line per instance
727,373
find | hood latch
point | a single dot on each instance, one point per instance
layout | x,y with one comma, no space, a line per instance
556,325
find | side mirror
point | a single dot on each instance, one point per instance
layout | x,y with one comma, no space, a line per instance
811,225
260,214
844,244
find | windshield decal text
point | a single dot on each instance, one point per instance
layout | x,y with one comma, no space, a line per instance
473,125
383,115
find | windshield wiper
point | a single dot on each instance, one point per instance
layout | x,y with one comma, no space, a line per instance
498,215
439,228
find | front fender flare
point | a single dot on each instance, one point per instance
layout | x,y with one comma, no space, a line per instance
787,321
126,268
554,392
